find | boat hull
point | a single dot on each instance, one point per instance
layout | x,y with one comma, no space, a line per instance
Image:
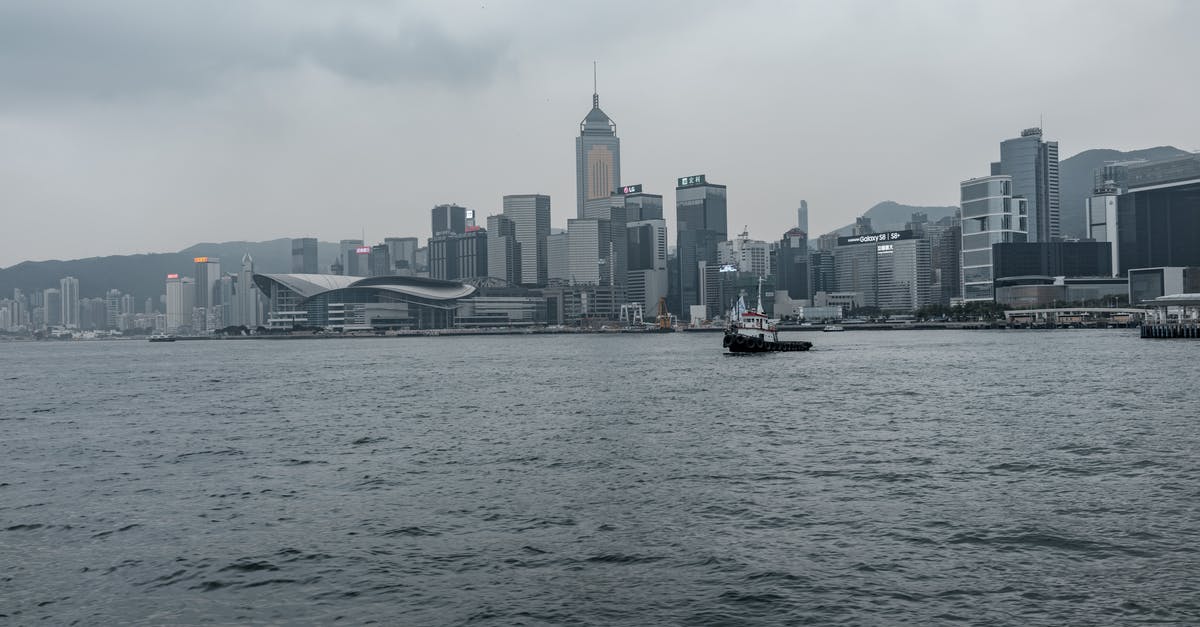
739,343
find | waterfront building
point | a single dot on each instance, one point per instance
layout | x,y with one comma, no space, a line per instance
530,215
69,286
1032,165
344,303
304,255
1029,292
449,219
1157,222
127,304
597,158
1147,284
990,215
647,279
890,270
701,221
1051,259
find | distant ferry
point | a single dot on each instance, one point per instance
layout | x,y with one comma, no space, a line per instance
162,337
833,327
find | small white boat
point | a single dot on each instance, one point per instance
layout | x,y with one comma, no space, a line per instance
829,328
162,337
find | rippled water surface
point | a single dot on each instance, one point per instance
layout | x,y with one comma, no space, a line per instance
924,477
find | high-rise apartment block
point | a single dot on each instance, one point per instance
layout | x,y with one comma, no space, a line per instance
69,286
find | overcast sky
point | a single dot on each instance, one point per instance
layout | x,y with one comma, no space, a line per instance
132,127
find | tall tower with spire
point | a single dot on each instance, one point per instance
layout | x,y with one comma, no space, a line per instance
597,156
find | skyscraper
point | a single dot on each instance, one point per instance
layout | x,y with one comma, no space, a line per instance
403,251
701,222
530,214
597,157
208,271
449,219
246,299
802,217
112,302
304,255
647,278
990,215
69,286
52,305
641,206
1033,166
504,252
180,301
348,251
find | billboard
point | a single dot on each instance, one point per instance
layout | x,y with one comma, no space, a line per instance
172,276
200,259
363,250
689,181
631,189
876,238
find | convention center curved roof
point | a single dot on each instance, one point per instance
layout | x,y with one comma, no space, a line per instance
310,285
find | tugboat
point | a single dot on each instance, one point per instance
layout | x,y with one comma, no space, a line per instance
750,331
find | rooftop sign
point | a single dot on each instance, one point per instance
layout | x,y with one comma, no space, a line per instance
172,276
875,238
200,259
631,189
363,250
689,181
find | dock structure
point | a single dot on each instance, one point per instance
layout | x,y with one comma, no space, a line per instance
1173,316
1077,316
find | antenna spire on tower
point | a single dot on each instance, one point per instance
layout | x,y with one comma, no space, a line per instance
595,91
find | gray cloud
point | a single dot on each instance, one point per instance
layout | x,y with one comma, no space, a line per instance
54,51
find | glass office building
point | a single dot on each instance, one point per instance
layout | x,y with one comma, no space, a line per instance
701,222
1032,165
990,215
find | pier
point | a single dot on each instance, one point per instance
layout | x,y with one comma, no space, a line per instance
1174,316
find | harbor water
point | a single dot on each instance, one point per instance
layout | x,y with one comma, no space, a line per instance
906,477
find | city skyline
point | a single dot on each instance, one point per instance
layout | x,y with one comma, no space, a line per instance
149,143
